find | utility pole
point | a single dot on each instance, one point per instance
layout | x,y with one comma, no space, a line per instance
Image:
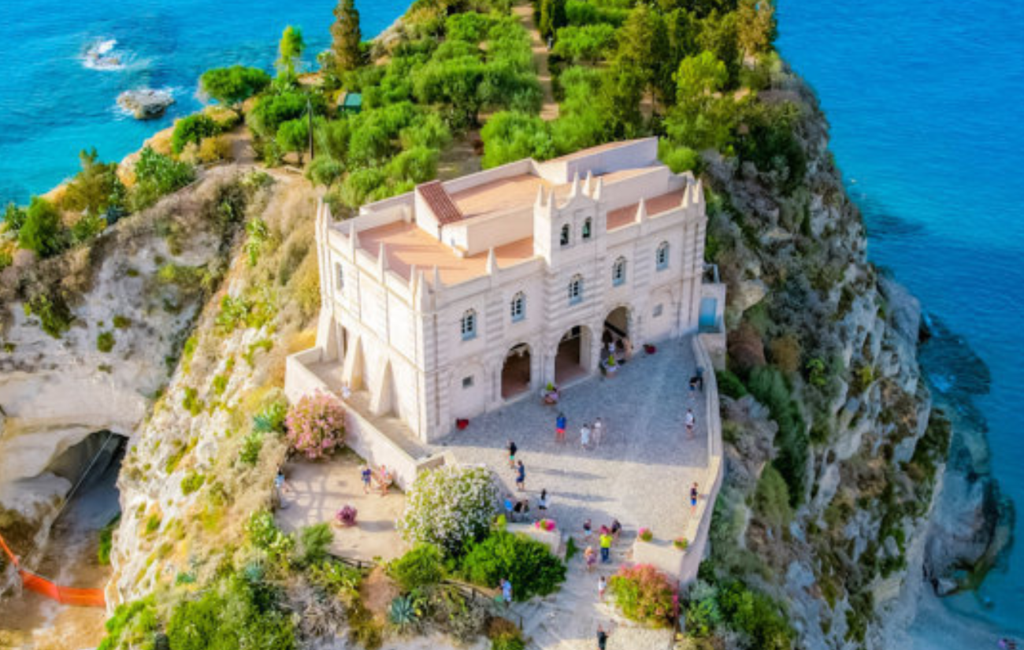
309,114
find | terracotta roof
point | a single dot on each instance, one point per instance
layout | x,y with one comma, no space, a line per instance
440,202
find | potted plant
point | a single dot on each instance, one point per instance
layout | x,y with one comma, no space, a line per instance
545,524
461,424
346,517
681,543
610,366
646,534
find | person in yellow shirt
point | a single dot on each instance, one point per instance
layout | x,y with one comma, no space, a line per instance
606,546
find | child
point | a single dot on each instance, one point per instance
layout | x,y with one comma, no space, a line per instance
590,558
506,592
542,503
597,432
367,475
585,436
693,498
602,584
690,422
587,532
560,428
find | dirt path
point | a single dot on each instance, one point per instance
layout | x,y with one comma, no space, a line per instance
549,110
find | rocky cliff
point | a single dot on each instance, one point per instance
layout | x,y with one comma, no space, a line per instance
128,300
836,455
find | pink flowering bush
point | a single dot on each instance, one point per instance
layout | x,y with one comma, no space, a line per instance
646,534
545,524
347,516
316,425
645,595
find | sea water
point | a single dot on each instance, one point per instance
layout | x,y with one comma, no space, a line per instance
926,104
66,62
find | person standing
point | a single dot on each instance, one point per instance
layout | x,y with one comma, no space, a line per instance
693,498
602,585
367,476
521,476
512,449
508,508
585,436
590,558
280,485
700,377
560,428
606,546
598,432
542,502
616,529
691,422
602,638
588,532
506,592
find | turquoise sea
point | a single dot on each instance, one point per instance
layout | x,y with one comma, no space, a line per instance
924,101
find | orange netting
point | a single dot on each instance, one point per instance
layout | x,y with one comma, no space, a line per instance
44,587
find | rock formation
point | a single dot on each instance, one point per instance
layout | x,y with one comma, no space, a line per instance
145,104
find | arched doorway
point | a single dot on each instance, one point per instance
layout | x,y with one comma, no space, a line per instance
572,357
515,372
616,333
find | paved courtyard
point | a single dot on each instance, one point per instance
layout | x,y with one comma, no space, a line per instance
642,470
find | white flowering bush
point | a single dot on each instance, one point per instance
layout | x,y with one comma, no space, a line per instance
450,507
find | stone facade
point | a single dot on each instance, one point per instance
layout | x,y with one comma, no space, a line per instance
451,300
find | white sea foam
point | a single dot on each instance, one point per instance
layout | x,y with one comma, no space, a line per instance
104,55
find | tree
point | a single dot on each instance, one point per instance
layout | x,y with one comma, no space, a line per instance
450,507
346,36
233,85
192,128
552,17
14,217
644,47
94,189
699,77
510,135
718,36
755,26
586,43
42,231
293,135
290,49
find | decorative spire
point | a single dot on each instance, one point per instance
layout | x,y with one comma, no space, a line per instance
382,259
540,196
599,187
641,211
588,185
574,192
698,193
353,240
687,195
492,262
413,279
419,294
437,280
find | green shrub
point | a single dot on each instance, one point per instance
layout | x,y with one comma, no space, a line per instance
526,563
234,84
105,341
192,482
644,594
771,500
403,613
450,507
729,384
133,626
335,578
232,614
42,231
107,541
190,400
192,129
770,388
703,613
272,418
264,534
54,314
121,322
251,447
756,616
419,567
155,176
314,541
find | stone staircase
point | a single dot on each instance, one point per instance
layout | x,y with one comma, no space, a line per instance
568,619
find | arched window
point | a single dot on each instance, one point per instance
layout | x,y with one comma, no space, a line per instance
564,238
587,227
576,289
339,276
661,258
469,325
518,307
619,272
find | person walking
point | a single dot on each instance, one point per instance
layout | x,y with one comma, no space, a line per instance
693,498
598,432
606,546
700,377
506,592
520,476
616,529
280,485
691,422
602,638
367,476
588,532
560,428
602,585
585,436
590,558
508,507
512,449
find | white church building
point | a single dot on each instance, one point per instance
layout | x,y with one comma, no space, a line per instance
460,296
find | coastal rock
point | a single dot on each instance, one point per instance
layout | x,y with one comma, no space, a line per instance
748,293
145,104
